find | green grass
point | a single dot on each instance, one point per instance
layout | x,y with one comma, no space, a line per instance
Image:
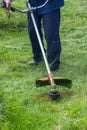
22,105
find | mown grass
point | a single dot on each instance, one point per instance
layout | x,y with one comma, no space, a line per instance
22,105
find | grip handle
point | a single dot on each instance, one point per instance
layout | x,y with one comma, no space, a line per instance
3,4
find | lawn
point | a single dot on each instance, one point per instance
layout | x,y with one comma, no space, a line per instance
22,105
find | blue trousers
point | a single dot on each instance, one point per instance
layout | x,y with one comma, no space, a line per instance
51,25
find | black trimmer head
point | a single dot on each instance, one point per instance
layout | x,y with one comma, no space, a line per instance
57,80
54,95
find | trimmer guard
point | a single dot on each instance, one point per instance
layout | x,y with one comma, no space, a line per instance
57,80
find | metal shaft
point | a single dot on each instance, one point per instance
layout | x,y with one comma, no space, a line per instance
41,46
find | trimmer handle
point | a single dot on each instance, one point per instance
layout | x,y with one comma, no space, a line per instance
3,4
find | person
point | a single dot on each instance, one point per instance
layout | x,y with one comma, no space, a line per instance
49,16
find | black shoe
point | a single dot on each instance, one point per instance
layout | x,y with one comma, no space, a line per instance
53,68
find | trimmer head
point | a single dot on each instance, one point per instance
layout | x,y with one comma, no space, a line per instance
54,95
57,80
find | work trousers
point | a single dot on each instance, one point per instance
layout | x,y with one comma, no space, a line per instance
50,23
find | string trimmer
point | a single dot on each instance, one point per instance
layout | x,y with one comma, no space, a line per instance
50,80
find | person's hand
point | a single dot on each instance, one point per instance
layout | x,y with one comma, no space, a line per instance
8,3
